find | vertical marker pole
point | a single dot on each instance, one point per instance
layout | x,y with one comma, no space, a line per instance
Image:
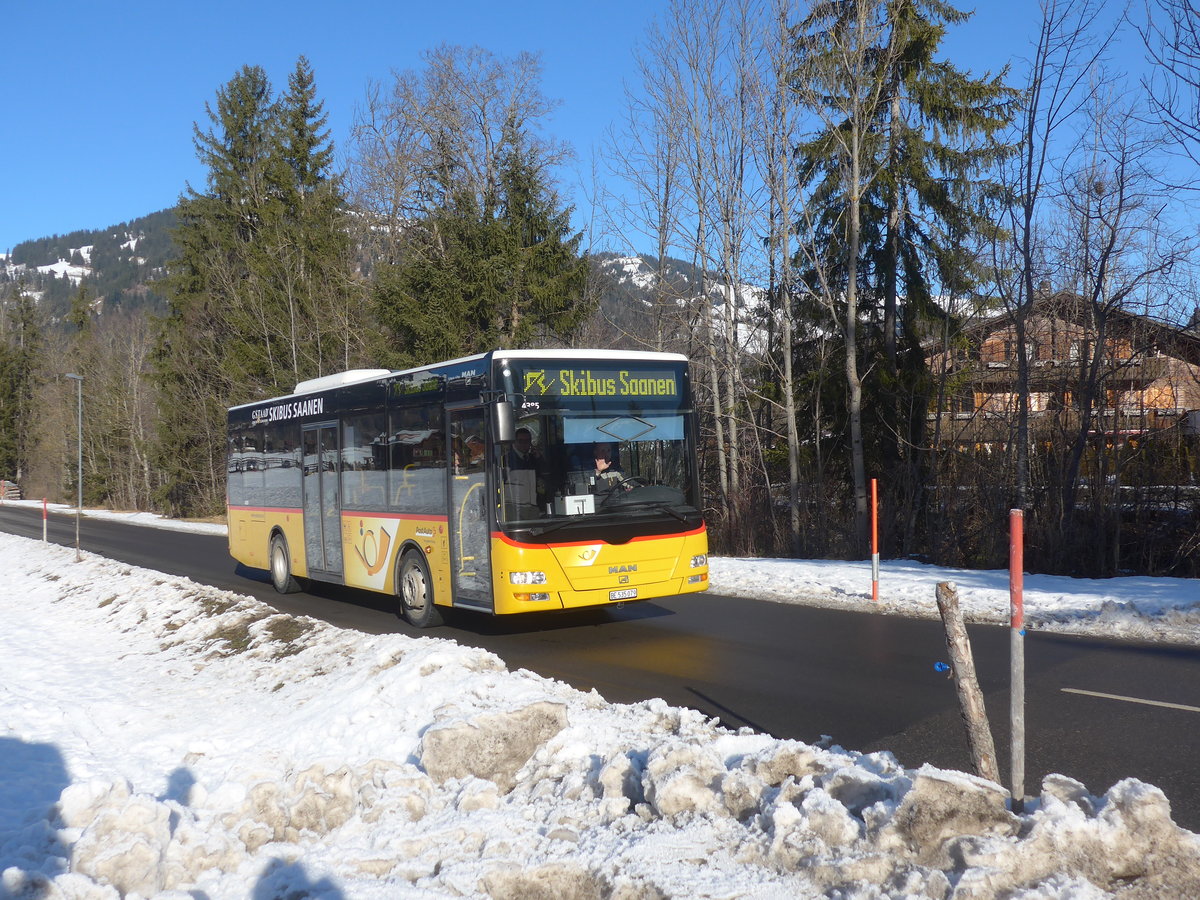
1016,593
44,514
875,540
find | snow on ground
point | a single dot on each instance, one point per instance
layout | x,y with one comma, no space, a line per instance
159,738
1150,609
64,269
1133,608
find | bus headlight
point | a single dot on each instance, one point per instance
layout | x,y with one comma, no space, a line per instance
699,560
536,598
526,577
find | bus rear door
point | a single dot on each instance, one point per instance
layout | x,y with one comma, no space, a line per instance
322,499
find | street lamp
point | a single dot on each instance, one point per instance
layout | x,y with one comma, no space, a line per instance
78,379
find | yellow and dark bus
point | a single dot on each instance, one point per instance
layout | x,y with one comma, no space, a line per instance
506,482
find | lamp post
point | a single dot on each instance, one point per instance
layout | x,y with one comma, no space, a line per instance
78,379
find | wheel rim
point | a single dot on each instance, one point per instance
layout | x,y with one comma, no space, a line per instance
414,587
279,566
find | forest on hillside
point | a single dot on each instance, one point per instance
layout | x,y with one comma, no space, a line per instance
976,290
123,263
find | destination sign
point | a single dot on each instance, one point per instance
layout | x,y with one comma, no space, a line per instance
599,383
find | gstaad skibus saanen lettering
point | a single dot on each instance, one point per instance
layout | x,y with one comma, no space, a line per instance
587,383
281,412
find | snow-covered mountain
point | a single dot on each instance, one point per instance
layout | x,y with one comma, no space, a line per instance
118,264
636,294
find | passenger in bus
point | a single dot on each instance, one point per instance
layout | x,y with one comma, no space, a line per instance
522,454
524,476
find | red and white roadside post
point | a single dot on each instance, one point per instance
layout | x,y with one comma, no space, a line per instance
875,540
1016,594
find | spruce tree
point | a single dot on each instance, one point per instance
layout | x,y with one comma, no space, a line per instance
259,295
80,316
930,146
304,141
475,278
548,273
312,260
20,356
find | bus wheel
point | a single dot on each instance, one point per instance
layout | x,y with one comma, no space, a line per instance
416,592
281,566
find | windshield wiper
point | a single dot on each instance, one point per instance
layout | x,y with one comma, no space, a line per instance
553,526
660,505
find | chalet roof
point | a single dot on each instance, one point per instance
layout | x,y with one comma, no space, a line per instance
1144,332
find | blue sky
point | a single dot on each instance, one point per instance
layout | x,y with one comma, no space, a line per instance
100,98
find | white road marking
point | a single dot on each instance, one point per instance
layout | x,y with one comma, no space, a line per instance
1185,708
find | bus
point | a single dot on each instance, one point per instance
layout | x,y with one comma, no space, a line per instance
505,482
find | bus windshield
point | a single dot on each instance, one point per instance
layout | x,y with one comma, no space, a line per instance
597,445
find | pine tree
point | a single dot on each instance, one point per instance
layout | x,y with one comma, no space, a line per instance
548,273
928,143
312,258
80,316
476,278
260,295
20,353
304,142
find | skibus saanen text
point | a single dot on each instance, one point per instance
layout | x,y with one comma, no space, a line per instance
506,482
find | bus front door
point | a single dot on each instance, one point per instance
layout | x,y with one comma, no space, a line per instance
322,499
470,534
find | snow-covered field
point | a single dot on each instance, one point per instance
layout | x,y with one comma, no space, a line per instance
163,739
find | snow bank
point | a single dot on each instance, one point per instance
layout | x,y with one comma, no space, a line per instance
1131,608
163,739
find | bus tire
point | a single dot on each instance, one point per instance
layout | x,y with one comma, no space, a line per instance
281,566
416,592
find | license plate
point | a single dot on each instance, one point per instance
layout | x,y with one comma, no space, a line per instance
627,594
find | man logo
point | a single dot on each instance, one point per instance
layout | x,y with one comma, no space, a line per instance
617,570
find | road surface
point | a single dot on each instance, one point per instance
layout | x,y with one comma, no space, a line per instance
866,681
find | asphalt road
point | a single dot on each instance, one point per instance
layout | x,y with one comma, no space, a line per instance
866,681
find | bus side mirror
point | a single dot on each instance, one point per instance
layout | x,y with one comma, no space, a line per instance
504,421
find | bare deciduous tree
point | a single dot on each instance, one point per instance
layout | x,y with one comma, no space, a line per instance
442,132
775,134
1059,84
1172,37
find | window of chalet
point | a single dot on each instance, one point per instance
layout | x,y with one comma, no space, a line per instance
994,350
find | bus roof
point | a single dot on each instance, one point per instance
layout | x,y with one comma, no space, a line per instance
339,379
356,376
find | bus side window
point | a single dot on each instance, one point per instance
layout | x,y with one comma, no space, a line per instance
364,478
252,465
281,469
234,471
416,455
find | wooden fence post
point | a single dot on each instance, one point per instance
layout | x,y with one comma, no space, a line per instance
970,697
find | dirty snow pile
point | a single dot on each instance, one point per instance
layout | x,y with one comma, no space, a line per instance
163,739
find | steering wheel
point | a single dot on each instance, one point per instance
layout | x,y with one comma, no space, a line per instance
617,482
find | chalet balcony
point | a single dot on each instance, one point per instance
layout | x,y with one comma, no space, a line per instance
1051,374
988,427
